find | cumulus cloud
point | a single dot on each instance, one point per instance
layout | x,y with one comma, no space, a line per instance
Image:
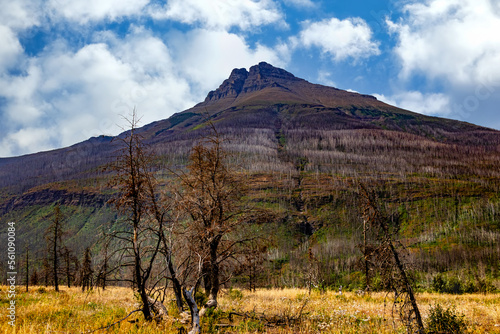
20,14
10,49
435,104
28,140
82,93
455,40
219,14
67,94
341,39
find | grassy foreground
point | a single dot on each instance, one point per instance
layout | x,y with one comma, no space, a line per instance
44,311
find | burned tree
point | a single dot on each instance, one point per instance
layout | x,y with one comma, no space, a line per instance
71,265
210,198
386,252
54,234
130,179
102,274
87,273
143,236
27,268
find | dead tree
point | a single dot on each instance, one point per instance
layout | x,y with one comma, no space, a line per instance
193,307
102,275
159,210
143,235
71,265
27,273
253,260
54,234
386,254
210,197
87,273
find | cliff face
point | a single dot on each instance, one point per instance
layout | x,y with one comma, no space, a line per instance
50,196
259,77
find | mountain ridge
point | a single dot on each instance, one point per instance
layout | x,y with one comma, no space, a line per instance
278,84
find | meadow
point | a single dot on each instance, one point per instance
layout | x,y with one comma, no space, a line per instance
42,310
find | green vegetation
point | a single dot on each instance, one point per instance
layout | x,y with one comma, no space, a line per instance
446,320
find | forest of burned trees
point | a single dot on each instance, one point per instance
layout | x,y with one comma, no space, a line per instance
305,197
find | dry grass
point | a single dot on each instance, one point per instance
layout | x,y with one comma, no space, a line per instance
72,311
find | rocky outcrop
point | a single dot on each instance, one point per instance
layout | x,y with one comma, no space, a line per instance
258,77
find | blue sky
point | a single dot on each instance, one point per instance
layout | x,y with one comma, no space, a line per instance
70,68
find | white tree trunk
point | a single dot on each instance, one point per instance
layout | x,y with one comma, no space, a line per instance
193,307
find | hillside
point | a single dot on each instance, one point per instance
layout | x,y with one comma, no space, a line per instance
303,147
274,117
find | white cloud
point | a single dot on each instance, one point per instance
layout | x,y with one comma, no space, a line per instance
435,104
79,93
83,11
324,78
10,49
20,14
341,39
82,93
207,57
219,14
455,40
27,140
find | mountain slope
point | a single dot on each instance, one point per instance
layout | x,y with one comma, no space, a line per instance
302,148
273,119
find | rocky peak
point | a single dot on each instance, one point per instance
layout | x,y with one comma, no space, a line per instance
264,71
242,81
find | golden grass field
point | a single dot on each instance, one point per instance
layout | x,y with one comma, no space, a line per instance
42,310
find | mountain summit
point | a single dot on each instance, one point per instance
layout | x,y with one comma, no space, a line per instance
259,77
264,84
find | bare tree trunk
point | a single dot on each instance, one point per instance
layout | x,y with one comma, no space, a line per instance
365,253
409,289
55,258
193,307
67,268
27,268
55,229
176,284
214,274
105,268
141,288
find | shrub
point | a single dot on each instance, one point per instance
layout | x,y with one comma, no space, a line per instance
211,318
443,284
445,321
453,285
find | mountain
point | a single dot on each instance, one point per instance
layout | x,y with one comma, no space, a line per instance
301,144
273,118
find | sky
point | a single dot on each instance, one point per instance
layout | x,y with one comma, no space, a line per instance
72,69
